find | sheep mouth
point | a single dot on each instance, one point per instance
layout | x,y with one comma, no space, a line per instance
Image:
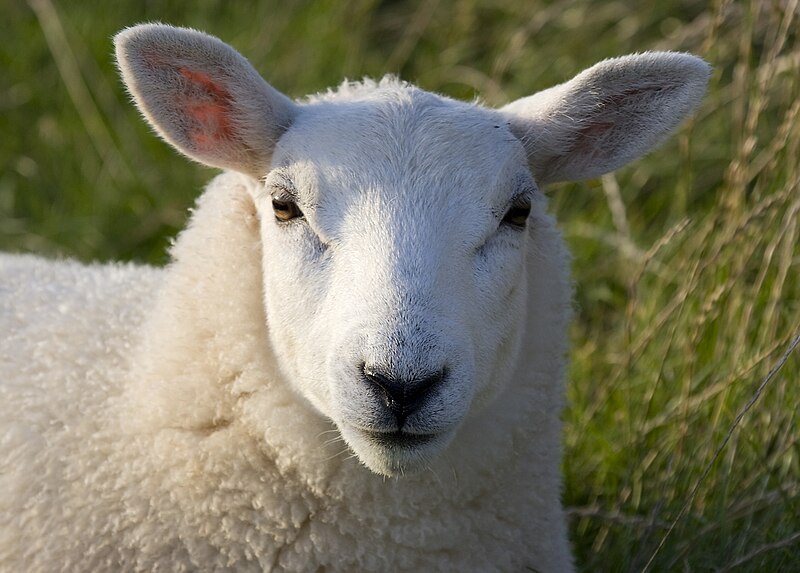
394,452
400,439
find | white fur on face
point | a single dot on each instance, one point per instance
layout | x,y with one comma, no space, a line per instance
401,262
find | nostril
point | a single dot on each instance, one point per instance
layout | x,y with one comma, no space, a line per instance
391,389
402,397
421,386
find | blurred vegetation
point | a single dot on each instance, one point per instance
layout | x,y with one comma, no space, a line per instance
686,262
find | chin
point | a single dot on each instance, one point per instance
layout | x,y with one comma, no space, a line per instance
395,453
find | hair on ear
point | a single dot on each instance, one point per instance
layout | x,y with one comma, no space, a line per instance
607,115
202,96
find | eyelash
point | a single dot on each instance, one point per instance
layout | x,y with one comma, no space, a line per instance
285,210
518,212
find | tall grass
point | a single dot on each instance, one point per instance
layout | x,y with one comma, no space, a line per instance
686,262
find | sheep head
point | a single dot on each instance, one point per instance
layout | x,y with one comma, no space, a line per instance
398,227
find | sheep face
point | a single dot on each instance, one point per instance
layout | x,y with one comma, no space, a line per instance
394,232
395,223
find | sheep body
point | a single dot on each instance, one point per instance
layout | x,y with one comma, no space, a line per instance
143,480
201,417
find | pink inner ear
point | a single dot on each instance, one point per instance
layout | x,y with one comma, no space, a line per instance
212,113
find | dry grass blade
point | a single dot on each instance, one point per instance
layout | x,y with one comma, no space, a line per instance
791,540
775,369
419,23
77,89
595,512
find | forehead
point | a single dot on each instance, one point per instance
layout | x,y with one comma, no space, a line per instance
399,139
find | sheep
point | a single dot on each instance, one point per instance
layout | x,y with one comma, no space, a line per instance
355,360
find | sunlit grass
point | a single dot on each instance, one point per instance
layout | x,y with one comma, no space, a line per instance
686,263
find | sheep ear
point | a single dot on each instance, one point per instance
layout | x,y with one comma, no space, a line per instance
202,96
607,115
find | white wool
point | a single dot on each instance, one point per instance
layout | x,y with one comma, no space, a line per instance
212,461
218,414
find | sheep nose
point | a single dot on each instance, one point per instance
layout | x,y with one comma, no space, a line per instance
402,397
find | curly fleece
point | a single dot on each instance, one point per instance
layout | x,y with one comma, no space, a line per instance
145,427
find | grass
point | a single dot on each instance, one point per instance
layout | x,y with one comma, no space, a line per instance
686,262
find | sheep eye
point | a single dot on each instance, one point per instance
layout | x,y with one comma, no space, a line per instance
286,210
517,215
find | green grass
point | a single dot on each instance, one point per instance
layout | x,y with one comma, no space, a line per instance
686,262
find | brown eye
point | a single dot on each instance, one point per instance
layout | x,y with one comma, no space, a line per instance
286,210
517,215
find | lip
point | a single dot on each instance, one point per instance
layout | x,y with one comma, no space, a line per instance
399,439
394,452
